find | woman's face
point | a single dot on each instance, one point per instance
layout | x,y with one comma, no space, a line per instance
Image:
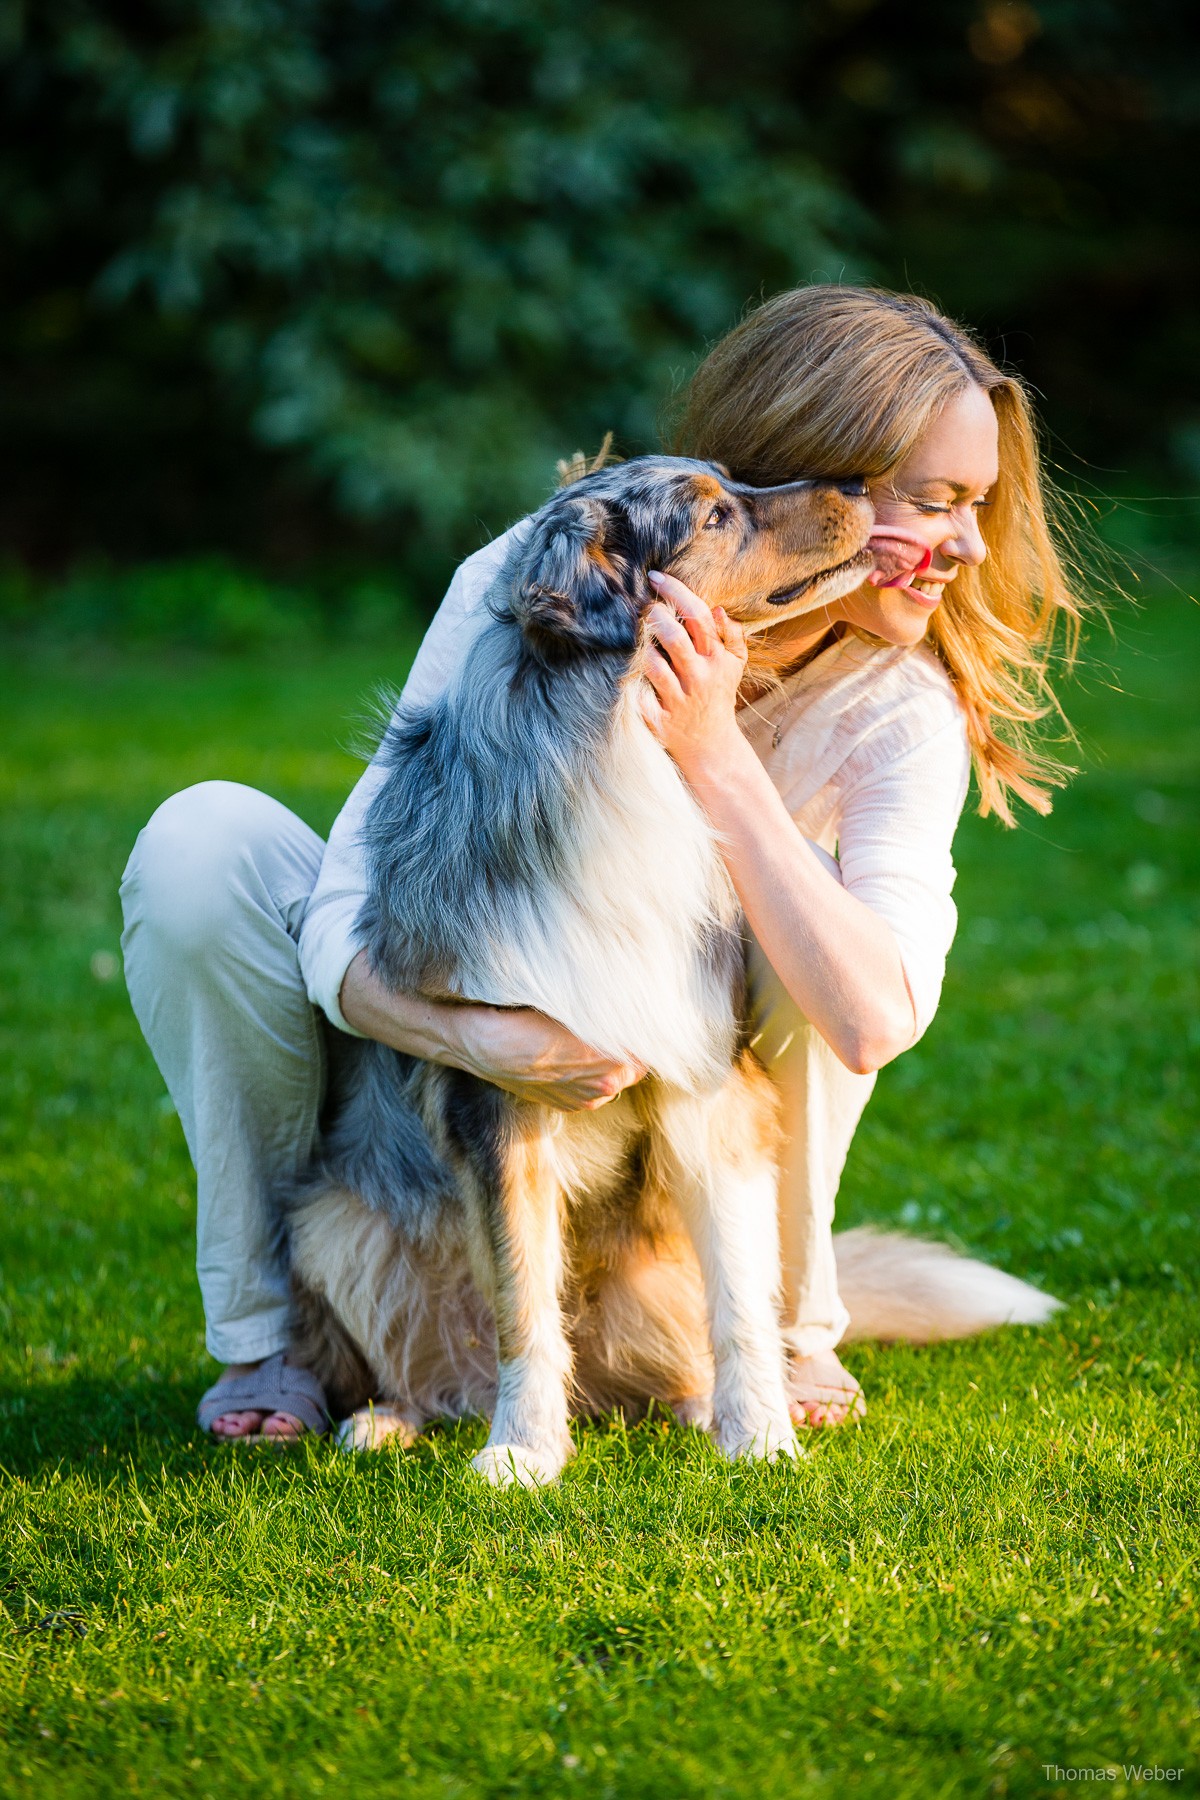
937,494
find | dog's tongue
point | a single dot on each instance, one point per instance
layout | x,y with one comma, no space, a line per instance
899,555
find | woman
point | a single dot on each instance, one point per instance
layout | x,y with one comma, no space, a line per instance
835,774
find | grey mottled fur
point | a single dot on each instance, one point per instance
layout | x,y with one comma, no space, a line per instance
484,802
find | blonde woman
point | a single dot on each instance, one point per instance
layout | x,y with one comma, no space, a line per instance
833,761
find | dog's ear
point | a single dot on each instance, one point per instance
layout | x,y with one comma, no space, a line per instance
575,591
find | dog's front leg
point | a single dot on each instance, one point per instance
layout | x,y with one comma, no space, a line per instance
514,1198
723,1176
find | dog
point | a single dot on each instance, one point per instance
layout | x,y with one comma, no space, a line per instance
457,1250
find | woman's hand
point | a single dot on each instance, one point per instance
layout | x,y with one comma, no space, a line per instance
537,1059
695,666
516,1048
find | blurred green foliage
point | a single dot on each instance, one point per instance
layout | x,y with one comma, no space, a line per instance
298,276
203,603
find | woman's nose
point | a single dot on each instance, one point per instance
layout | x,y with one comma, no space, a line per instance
965,543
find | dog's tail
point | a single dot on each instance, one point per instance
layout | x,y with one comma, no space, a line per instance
900,1287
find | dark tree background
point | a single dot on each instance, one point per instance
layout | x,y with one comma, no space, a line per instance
297,278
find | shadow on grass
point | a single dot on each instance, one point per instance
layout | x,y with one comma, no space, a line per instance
139,1422
136,1424
85,1422
142,1422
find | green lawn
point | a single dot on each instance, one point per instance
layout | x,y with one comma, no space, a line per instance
996,1573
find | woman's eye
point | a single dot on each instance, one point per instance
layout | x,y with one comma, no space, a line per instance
930,506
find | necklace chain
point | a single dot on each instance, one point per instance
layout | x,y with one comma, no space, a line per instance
785,712
783,716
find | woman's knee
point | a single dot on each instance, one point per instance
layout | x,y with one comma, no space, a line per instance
201,859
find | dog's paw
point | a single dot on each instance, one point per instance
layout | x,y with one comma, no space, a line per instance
371,1427
696,1410
764,1440
516,1465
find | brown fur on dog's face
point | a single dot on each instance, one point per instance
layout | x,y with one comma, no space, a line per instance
767,554
579,586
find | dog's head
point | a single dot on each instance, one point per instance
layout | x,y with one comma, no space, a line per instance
764,554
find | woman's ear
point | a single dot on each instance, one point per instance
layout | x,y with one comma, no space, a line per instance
570,594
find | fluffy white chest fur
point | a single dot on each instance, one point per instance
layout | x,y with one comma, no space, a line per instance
616,948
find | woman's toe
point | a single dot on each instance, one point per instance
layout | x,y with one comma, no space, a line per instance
236,1424
282,1425
813,1412
823,1391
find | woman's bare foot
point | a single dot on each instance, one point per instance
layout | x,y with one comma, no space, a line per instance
821,1391
249,1424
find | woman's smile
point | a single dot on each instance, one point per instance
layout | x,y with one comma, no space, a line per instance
926,590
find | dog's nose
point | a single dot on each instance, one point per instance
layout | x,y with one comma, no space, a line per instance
854,487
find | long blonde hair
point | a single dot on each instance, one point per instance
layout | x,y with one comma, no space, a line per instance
842,381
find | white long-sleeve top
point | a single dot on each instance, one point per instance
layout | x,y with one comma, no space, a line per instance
867,747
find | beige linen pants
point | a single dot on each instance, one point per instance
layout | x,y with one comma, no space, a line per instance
214,897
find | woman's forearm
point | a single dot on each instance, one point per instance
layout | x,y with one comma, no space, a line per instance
515,1048
427,1028
837,959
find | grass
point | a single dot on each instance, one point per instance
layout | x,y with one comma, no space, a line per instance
995,1574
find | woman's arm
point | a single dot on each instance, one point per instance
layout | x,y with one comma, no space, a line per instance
514,1048
839,960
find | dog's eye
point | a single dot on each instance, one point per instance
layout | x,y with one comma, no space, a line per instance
717,518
